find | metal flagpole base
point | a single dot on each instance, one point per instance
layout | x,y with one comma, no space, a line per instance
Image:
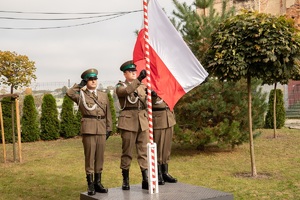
152,168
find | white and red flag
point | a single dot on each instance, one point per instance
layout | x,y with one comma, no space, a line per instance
174,70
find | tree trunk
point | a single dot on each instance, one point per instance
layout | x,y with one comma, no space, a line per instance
274,110
253,167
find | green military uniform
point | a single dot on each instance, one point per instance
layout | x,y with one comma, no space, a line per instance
163,127
95,123
133,123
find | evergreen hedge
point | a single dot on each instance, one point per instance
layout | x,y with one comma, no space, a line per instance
113,112
78,117
49,118
68,123
29,121
7,119
280,110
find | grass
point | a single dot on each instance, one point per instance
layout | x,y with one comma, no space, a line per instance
55,169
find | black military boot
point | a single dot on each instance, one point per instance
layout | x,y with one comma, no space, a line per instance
166,176
91,189
97,184
160,178
125,185
145,179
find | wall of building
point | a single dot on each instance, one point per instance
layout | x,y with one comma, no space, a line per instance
276,7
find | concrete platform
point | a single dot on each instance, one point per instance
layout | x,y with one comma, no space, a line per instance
292,123
169,191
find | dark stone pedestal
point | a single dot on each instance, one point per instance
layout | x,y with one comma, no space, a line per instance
169,191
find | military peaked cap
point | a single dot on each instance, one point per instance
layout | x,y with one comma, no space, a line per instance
89,74
128,66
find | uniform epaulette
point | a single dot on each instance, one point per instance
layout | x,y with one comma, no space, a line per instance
120,83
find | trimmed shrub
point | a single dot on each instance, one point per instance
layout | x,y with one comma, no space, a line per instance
49,118
7,119
29,121
280,110
113,112
68,123
78,117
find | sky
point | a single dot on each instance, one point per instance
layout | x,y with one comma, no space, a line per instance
62,54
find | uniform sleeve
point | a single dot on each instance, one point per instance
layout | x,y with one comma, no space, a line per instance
73,93
123,91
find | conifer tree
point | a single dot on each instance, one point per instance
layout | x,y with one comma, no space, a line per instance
7,119
49,118
68,122
29,121
197,22
214,113
280,111
113,112
78,117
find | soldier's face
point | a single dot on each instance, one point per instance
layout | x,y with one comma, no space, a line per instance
92,83
130,75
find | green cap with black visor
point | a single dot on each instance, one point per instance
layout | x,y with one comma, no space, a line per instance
90,74
128,66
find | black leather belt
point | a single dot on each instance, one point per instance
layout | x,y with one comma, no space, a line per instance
133,108
160,109
93,116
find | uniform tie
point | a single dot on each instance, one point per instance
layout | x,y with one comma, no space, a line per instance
94,95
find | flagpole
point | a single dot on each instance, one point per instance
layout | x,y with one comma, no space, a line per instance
151,147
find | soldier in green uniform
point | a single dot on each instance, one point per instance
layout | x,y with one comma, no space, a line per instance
133,122
96,122
163,127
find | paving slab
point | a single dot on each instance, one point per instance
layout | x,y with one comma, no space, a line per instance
292,123
169,191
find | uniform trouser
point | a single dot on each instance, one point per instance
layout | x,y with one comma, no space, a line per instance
163,140
138,140
93,146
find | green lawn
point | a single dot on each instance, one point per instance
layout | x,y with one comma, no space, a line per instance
55,169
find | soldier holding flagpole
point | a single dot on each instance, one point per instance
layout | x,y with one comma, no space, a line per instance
133,122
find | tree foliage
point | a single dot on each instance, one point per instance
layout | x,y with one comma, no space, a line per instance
215,113
49,118
113,112
30,122
198,21
68,123
256,45
280,110
16,70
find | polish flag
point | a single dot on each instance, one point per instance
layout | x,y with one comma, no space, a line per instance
174,70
